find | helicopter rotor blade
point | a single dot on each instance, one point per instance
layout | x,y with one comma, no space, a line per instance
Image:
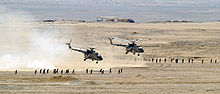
88,48
124,40
137,40
78,48
111,38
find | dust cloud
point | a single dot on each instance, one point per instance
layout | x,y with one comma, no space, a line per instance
25,46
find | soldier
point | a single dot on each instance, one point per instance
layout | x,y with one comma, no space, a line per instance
152,59
47,71
160,60
156,60
54,71
189,60
67,71
35,72
44,70
73,71
182,60
87,71
192,60
91,71
216,61
61,71
102,72
110,70
121,70
202,61
165,60
171,60
211,61
57,71
16,71
40,71
176,60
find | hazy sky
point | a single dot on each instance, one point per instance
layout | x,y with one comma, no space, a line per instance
140,10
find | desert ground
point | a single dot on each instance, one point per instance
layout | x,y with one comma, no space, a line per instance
195,41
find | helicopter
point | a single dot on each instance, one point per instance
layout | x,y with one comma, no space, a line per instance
131,47
88,53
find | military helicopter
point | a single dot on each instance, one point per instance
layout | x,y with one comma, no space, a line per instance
131,47
88,54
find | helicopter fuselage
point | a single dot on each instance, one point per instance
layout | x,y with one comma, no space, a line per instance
93,56
134,49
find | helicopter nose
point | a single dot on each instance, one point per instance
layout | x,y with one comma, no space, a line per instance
100,58
142,50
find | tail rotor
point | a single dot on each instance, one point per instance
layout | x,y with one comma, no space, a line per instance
110,39
69,44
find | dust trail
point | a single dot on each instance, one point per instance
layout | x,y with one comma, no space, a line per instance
24,46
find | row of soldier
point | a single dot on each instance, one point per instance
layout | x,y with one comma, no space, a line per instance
102,71
42,71
180,60
55,71
67,71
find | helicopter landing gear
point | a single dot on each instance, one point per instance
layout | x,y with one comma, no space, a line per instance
138,54
92,60
126,52
84,59
97,62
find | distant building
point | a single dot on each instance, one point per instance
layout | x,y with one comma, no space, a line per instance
114,19
106,19
125,20
49,21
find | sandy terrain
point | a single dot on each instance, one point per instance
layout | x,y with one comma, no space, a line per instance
163,78
176,40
